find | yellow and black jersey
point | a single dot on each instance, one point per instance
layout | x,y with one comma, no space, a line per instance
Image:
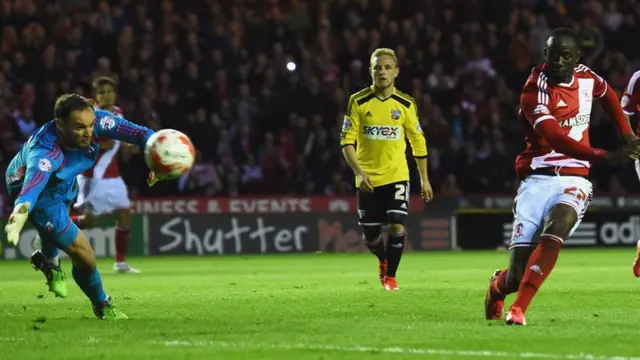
377,128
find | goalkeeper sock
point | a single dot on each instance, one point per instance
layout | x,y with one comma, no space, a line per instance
50,254
395,246
122,244
90,283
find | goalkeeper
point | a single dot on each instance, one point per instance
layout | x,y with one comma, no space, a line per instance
41,179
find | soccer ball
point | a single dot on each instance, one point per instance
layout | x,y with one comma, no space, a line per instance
169,153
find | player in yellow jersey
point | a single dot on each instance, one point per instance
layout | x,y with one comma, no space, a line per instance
377,121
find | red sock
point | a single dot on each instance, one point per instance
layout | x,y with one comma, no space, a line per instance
78,220
540,265
122,244
501,283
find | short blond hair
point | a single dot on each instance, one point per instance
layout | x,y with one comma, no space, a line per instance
384,51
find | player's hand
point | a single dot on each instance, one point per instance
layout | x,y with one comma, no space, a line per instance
426,191
16,222
631,138
625,153
154,178
365,183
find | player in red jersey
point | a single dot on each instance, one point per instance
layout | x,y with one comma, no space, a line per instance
101,189
554,192
630,105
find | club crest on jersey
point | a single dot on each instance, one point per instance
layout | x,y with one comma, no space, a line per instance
517,231
541,109
107,123
44,165
395,114
586,96
346,125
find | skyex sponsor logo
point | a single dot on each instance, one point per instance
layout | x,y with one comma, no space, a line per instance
381,132
620,233
585,235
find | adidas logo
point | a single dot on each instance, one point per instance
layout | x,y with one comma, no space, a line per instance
404,206
561,103
536,269
368,113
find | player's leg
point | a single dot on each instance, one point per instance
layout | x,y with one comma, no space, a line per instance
82,221
118,202
73,241
87,276
566,211
370,218
46,258
528,215
636,262
395,198
123,226
506,281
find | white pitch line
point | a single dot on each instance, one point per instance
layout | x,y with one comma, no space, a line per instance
400,350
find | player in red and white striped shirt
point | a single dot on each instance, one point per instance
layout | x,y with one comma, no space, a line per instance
554,191
101,189
631,105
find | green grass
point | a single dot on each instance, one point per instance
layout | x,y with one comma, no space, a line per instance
323,306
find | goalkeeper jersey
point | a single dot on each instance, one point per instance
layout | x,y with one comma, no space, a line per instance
378,128
43,172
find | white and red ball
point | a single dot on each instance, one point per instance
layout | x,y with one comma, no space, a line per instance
169,153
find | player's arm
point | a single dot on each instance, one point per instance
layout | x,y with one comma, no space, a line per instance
547,126
348,140
631,97
349,135
118,128
611,105
41,163
418,144
417,141
106,144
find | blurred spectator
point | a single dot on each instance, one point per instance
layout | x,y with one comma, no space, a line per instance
261,86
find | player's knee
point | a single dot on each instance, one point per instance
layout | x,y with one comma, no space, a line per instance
561,221
123,218
396,229
372,234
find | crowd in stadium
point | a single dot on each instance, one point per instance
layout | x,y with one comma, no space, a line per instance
261,86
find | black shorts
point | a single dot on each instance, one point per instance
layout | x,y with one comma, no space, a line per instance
374,208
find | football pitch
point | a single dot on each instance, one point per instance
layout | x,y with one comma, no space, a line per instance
325,306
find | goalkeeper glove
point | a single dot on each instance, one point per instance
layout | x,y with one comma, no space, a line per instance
154,178
16,222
